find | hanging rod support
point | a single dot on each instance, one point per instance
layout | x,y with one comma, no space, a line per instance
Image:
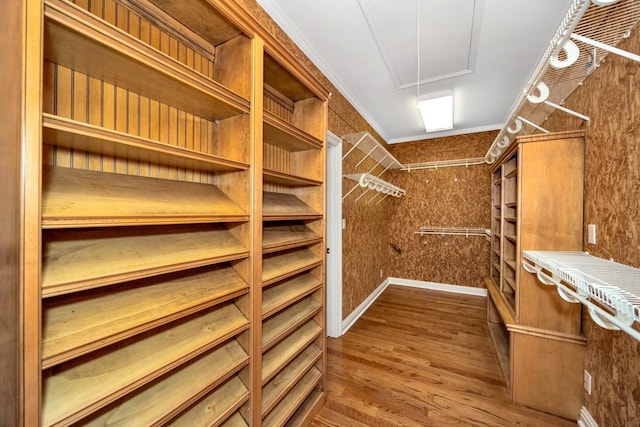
606,47
540,128
567,110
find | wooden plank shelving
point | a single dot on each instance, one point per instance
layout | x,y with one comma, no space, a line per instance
217,407
72,327
280,265
78,39
283,178
79,198
281,295
78,260
274,360
234,420
277,236
287,406
278,206
163,399
282,383
87,384
287,136
279,326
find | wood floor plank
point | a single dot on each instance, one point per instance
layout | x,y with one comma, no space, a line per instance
420,358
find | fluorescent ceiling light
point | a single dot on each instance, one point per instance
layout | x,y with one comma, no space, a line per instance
437,111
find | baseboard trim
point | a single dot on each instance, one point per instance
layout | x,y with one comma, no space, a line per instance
466,290
359,311
586,420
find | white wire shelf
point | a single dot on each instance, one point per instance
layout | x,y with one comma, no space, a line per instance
370,182
371,148
586,35
609,290
444,164
454,231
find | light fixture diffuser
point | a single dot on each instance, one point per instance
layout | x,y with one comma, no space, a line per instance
437,111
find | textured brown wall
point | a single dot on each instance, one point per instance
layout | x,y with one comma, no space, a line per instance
445,197
611,97
364,239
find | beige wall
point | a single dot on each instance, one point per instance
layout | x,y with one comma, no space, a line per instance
611,97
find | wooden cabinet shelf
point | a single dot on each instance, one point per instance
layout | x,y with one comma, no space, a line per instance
77,260
287,136
161,400
216,407
288,406
279,326
64,132
281,265
282,383
276,177
75,390
80,198
234,420
277,236
281,295
94,319
80,40
278,206
274,360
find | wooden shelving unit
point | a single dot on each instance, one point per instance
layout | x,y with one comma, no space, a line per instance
537,205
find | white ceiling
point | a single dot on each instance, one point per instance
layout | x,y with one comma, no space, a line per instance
482,50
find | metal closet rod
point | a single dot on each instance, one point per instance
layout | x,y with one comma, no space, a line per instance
454,231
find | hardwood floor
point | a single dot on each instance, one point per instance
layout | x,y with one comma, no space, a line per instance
420,358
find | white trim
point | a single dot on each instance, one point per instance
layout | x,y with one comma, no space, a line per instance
334,236
586,420
466,290
359,311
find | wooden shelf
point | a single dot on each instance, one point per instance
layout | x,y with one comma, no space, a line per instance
279,356
278,206
281,384
235,420
309,408
81,198
74,326
69,133
160,401
277,78
281,265
80,40
279,326
78,260
500,337
287,136
74,391
511,204
510,263
276,177
511,237
217,407
277,297
506,312
288,406
279,236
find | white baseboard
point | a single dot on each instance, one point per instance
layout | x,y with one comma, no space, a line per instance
586,420
466,290
359,311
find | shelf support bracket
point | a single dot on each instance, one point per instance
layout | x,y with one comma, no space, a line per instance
603,46
567,110
530,123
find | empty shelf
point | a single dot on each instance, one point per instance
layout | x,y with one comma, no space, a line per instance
282,383
276,177
282,324
310,404
288,406
281,265
278,206
69,133
75,326
276,297
75,390
161,400
75,260
79,198
279,236
287,136
79,40
279,356
235,420
215,408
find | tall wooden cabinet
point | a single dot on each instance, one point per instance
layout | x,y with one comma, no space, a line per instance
179,217
537,193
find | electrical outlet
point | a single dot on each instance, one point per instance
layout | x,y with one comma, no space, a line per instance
591,234
587,382
381,273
